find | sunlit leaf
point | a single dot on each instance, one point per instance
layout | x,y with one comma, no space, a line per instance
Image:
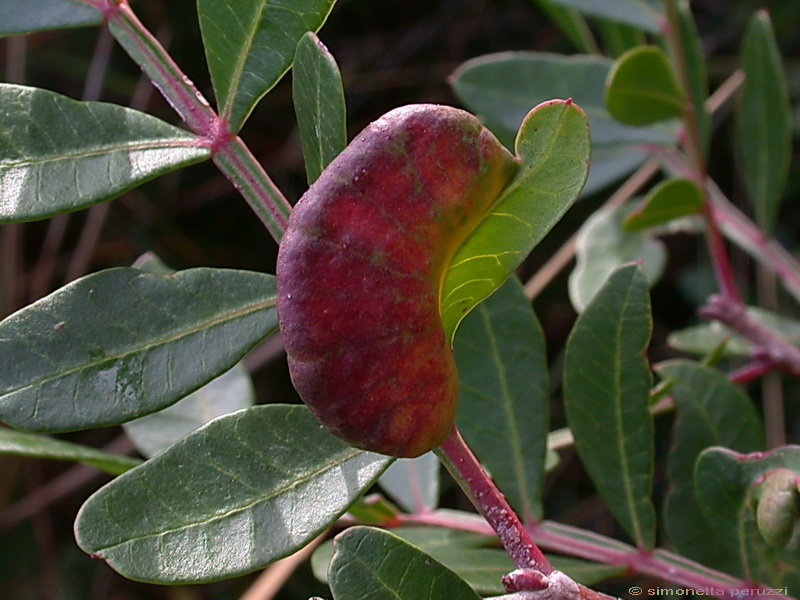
607,386
250,45
501,89
319,104
242,491
40,446
59,155
553,146
123,343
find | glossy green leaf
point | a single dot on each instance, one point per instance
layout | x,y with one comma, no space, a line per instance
122,343
642,88
40,446
607,386
602,246
644,14
372,564
764,121
462,552
40,15
413,482
503,410
251,44
244,490
503,87
319,105
231,391
553,147
707,338
711,411
58,155
670,199
725,482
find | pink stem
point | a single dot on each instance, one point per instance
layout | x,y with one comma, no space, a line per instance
481,490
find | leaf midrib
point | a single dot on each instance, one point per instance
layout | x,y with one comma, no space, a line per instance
76,155
348,454
228,316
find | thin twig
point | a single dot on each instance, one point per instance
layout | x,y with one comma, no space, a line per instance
272,579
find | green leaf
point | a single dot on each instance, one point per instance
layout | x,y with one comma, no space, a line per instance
503,410
642,88
40,446
251,44
413,482
122,343
764,121
58,155
585,572
244,490
618,38
711,411
231,391
319,104
462,552
40,15
725,482
503,87
607,386
372,564
603,245
694,57
707,338
553,148
670,199
571,23
644,14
